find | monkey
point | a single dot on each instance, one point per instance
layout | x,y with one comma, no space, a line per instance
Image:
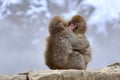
81,24
63,47
80,31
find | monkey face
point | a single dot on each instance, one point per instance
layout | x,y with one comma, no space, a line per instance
72,25
78,27
80,24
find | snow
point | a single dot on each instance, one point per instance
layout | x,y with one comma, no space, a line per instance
4,5
60,3
35,10
8,2
104,10
35,41
67,15
102,29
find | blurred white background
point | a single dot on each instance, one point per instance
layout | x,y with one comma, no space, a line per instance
24,28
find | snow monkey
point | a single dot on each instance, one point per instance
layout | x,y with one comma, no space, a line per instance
64,48
80,25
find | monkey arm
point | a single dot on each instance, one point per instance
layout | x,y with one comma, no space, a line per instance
61,52
88,54
80,59
69,59
81,44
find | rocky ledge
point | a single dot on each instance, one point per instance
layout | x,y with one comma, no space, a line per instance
111,72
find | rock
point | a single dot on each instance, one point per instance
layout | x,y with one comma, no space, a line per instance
45,75
13,77
73,75
112,68
111,72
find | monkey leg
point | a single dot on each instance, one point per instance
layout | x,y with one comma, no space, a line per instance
76,61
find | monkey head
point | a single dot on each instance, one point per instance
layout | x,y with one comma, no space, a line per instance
78,24
56,25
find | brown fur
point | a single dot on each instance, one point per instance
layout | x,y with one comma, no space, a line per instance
63,47
80,32
80,21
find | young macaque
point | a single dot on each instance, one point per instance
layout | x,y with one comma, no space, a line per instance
79,27
64,47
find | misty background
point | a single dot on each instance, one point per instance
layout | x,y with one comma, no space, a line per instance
24,28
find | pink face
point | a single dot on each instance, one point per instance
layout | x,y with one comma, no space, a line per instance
72,26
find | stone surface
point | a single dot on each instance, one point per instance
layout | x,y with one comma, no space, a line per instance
111,72
13,77
45,75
